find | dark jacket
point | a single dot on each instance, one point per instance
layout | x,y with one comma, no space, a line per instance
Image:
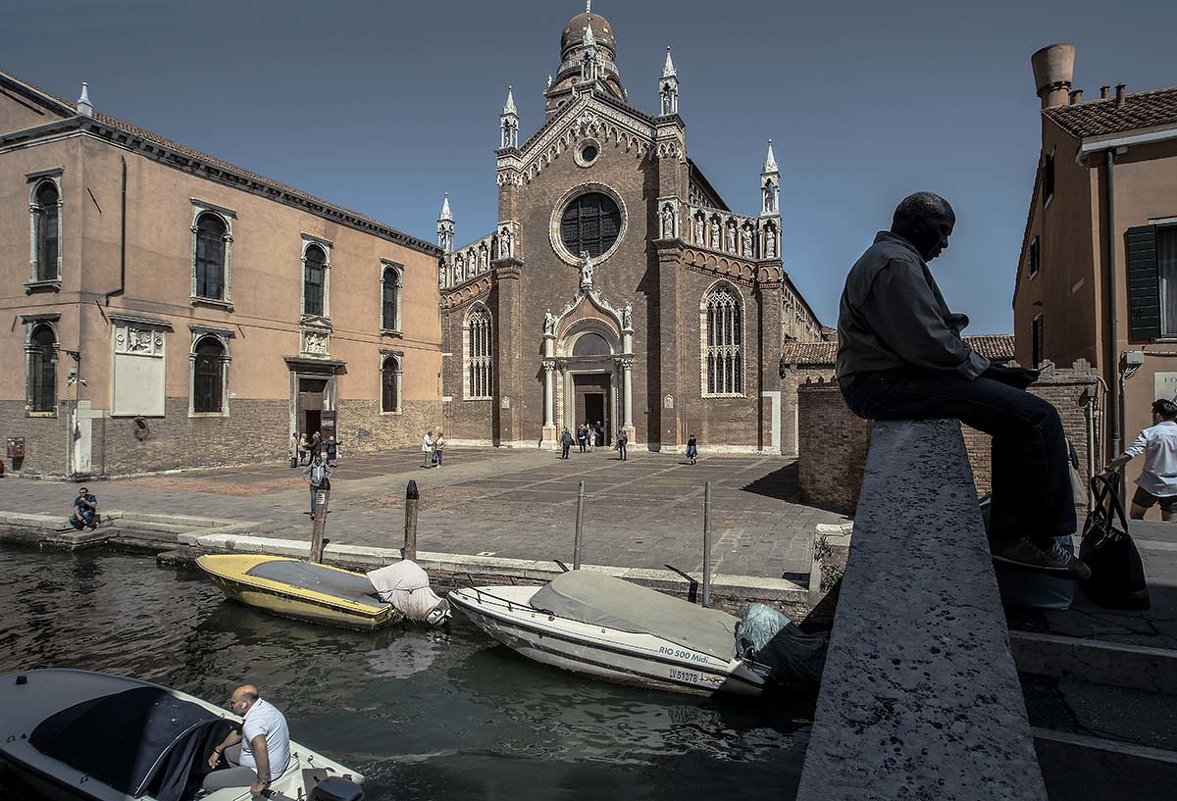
893,315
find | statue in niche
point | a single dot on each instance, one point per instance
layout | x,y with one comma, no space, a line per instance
769,198
483,260
505,244
731,238
459,269
549,322
667,221
699,230
746,237
627,317
715,235
586,270
769,243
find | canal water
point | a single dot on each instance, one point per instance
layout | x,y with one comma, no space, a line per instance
429,715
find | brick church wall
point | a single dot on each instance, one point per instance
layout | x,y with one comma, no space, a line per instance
834,443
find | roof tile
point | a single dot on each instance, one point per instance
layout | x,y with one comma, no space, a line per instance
822,354
1100,117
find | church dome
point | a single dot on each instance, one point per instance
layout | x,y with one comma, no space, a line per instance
574,33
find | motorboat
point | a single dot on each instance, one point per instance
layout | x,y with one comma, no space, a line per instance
77,734
317,593
593,623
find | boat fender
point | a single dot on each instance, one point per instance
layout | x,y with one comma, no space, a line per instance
336,789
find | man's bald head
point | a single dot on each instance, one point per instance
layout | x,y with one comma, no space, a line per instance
925,220
245,694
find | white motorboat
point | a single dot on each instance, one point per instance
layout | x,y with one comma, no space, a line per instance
592,623
76,734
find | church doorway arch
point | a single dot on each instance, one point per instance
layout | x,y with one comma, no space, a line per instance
591,379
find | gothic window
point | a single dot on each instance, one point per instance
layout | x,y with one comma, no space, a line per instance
591,344
390,384
479,353
590,222
46,211
41,352
723,343
209,365
314,280
390,298
209,260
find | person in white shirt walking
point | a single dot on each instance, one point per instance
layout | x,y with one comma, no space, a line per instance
427,449
1158,479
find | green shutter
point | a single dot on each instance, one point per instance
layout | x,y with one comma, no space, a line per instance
1144,291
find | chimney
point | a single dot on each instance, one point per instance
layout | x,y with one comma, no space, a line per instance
1053,67
1076,97
1120,94
1105,92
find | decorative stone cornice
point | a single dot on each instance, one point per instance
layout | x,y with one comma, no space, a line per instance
709,263
479,287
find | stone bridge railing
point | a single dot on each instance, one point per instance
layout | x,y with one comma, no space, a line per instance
920,696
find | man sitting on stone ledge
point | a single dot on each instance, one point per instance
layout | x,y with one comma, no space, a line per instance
901,357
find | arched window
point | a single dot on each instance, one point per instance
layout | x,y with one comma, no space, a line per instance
208,376
590,222
723,343
314,275
390,384
390,291
42,369
591,344
210,256
479,353
46,232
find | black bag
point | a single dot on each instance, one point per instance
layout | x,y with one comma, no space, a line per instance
294,460
1117,574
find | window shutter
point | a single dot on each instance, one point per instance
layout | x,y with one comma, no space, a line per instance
1144,297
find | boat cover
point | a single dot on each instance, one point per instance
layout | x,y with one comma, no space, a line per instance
348,586
602,600
142,741
405,585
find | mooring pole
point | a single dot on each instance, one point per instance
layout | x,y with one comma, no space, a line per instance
412,498
579,539
707,544
319,526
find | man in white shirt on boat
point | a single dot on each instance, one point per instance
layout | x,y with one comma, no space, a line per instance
258,753
1158,479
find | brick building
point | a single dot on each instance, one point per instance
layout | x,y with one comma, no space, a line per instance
165,309
617,285
1097,275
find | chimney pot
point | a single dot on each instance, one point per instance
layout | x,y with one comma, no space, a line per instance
1076,97
1105,92
1120,93
1053,68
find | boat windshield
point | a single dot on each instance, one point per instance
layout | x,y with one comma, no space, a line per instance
139,741
348,586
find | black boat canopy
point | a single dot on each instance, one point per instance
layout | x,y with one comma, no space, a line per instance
140,741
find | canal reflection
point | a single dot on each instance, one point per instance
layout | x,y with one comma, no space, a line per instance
424,714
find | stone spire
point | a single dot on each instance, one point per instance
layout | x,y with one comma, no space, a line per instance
509,122
589,66
445,226
770,184
84,106
668,87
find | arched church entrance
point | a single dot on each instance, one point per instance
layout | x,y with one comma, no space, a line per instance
590,380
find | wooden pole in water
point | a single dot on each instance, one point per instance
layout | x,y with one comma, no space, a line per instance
319,526
412,498
579,538
707,544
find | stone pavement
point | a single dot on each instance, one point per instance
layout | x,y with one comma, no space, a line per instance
646,512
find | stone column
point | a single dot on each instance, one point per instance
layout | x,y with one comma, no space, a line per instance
627,395
549,402
770,330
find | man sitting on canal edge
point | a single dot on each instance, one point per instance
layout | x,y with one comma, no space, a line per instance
85,513
901,357
258,753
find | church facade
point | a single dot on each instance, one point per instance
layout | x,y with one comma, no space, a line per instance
617,287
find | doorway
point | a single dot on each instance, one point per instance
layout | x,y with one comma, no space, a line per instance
310,405
591,401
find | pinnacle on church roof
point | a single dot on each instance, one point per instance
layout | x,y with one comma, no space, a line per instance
769,160
589,39
84,106
668,68
509,108
445,209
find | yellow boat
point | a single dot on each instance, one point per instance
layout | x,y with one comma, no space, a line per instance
296,589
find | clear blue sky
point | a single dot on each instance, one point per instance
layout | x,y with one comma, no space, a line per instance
382,106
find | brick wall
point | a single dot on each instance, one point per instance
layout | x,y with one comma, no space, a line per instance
833,442
45,439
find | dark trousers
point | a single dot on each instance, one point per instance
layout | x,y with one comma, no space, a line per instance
567,447
621,451
1031,474
582,442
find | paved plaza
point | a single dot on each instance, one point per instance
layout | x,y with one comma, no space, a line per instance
646,512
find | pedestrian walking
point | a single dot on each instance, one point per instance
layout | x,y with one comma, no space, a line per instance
438,449
622,442
692,449
1158,479
600,433
318,475
582,436
316,445
427,449
565,442
590,435
331,448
